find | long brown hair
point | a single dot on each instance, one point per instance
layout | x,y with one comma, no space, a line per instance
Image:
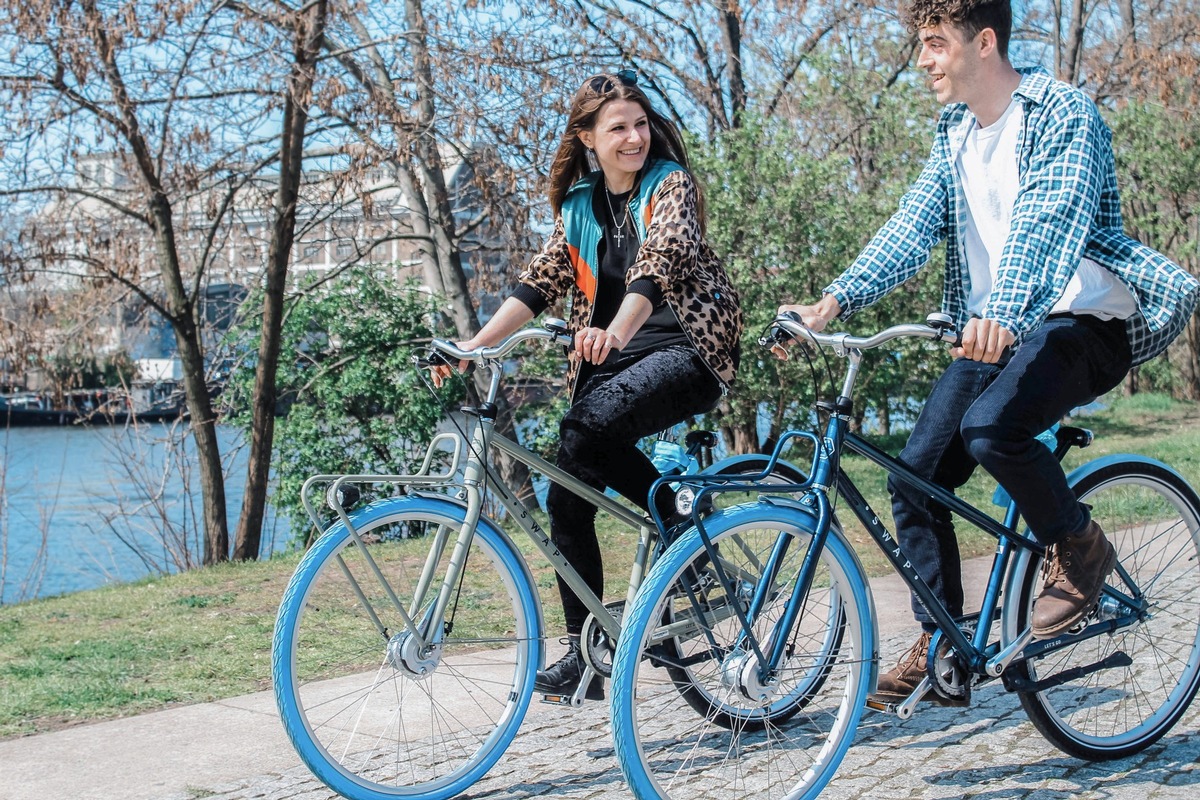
571,160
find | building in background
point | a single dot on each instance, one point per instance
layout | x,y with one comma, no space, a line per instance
60,313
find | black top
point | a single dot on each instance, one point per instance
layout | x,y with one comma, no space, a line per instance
616,253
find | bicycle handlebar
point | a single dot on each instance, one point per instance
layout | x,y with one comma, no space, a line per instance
552,329
789,324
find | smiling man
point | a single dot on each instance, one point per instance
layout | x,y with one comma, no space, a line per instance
1054,301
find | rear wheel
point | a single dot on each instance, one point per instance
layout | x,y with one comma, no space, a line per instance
1116,693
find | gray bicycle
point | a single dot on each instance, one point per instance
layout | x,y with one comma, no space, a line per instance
408,638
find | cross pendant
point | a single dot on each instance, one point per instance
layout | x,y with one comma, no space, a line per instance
620,236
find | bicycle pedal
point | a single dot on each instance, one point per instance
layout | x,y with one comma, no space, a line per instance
576,698
561,700
881,706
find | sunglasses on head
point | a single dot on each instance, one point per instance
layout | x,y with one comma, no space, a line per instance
603,84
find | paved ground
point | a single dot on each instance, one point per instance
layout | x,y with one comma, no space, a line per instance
236,750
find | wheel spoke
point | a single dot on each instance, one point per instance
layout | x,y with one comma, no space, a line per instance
706,726
1153,520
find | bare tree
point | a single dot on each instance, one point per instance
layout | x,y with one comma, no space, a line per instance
135,129
307,31
78,85
438,105
707,61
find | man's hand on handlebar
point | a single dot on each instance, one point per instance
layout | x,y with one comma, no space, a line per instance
983,340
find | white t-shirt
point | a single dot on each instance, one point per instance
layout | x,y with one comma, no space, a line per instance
987,169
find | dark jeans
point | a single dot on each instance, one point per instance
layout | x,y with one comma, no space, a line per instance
989,414
618,405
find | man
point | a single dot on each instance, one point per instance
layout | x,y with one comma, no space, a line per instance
1054,302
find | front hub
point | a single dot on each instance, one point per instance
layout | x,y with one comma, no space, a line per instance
409,658
740,672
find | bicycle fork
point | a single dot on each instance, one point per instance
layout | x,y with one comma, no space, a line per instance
750,669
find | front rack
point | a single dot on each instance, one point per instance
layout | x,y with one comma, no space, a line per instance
451,443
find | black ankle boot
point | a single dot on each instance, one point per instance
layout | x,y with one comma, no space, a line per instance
563,676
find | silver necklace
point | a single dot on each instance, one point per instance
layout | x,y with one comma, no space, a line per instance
608,198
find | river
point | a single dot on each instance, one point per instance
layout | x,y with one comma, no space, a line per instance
81,507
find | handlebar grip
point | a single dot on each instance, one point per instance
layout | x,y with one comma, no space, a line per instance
435,358
776,335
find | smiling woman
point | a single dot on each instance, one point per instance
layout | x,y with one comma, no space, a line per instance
620,142
655,320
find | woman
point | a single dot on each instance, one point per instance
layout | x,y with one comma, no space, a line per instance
655,317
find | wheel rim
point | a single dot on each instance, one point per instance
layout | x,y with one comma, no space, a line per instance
378,713
787,745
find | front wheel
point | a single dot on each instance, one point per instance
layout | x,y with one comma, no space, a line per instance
371,712
691,686
783,734
1114,694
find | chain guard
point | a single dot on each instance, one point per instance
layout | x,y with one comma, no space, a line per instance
945,669
598,646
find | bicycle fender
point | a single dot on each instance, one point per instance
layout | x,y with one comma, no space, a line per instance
1085,470
733,463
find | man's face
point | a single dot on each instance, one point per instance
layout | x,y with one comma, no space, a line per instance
951,62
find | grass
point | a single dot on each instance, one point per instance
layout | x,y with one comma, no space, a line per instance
120,650
205,635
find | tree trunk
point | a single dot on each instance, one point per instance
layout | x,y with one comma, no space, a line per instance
443,233
1071,61
182,309
731,32
740,438
310,30
195,385
885,418
1190,361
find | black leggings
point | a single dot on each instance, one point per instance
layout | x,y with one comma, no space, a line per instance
617,406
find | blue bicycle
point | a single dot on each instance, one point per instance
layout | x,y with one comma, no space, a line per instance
778,648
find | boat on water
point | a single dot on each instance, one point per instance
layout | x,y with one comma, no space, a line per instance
156,402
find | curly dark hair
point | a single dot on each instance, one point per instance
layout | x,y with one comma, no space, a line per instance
969,16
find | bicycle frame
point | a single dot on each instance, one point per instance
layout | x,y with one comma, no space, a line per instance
977,655
478,478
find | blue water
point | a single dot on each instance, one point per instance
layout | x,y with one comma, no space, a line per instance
83,507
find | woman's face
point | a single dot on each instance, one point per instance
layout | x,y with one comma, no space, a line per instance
621,141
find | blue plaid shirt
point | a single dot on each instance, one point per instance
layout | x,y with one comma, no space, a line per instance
1067,208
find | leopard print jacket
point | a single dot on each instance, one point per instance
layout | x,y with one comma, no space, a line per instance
673,254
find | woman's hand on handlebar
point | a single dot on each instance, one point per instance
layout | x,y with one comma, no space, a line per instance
594,344
440,373
815,317
508,319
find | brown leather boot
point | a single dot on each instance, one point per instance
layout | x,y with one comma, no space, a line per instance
897,684
1074,570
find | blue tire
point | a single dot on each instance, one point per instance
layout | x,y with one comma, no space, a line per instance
784,736
370,712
